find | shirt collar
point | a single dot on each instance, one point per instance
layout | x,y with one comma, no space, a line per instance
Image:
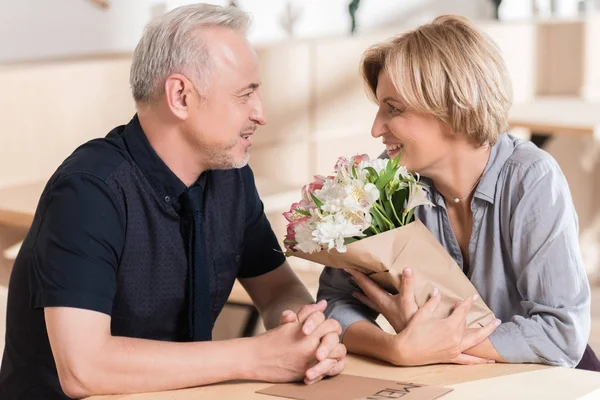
166,185
499,153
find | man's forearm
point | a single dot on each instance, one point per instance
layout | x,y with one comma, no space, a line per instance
129,365
292,298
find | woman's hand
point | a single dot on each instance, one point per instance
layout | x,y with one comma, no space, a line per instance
421,337
398,309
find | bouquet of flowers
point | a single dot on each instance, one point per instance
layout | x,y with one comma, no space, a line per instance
362,217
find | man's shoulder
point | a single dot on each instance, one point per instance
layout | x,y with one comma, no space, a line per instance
99,157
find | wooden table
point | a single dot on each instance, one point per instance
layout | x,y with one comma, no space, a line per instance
558,115
492,381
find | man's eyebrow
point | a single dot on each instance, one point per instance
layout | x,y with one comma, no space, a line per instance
253,86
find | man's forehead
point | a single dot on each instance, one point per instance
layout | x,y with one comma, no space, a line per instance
228,48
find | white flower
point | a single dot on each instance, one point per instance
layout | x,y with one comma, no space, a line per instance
417,197
304,238
377,164
360,196
332,231
402,172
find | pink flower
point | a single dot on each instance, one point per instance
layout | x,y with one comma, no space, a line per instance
317,184
290,239
357,159
342,162
294,216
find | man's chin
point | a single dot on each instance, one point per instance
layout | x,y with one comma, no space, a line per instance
233,162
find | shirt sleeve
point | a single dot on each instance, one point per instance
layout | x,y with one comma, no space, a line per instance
336,286
78,245
262,252
549,273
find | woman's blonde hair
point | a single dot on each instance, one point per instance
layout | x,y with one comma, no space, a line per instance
448,69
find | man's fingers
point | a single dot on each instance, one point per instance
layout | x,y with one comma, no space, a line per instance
328,344
308,309
337,368
366,301
315,319
371,289
313,381
320,369
288,316
474,336
329,326
469,360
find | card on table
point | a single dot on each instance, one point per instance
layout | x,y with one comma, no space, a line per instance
344,387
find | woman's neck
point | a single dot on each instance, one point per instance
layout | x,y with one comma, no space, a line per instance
458,176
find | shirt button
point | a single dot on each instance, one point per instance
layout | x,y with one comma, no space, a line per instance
167,199
237,258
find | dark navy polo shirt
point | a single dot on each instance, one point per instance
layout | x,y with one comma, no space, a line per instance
107,237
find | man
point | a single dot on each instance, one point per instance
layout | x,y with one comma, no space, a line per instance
139,237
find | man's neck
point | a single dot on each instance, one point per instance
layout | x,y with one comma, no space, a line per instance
170,145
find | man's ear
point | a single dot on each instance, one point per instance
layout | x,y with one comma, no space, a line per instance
178,90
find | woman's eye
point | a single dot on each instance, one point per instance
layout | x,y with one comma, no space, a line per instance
392,109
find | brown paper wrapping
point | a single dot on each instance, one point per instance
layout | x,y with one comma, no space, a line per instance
382,257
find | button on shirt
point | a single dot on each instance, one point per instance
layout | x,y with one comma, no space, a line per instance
524,254
107,237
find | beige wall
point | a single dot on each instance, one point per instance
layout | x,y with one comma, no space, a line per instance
317,110
49,108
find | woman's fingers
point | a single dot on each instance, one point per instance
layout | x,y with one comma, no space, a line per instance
407,293
432,304
467,359
377,295
474,336
459,315
366,301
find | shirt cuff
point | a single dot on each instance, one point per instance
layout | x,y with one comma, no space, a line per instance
346,314
86,301
511,345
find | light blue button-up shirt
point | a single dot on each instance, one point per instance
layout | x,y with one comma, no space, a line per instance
524,255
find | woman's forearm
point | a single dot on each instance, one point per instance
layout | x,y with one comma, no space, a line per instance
485,350
367,339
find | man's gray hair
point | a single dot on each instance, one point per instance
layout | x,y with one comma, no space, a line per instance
172,44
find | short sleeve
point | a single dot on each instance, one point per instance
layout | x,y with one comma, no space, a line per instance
262,252
77,246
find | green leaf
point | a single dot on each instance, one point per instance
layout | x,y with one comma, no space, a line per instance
349,240
353,171
397,201
408,218
372,172
380,212
379,225
302,212
318,202
385,179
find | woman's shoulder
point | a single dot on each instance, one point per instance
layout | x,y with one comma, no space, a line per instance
530,167
527,159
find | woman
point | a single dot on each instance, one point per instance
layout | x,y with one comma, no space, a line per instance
502,209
